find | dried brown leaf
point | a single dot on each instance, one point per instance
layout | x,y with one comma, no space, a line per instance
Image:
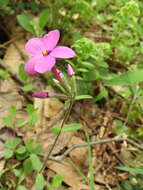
78,155
71,177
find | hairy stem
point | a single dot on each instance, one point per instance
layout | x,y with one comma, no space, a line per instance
57,137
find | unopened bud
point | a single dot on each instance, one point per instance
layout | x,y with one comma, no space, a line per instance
57,73
70,70
41,94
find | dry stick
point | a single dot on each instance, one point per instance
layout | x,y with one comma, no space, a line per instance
95,143
57,137
10,41
13,75
8,34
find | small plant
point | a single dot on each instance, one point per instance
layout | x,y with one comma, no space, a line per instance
45,51
56,182
27,158
134,181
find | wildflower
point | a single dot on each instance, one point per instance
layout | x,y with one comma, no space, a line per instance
41,94
44,52
70,70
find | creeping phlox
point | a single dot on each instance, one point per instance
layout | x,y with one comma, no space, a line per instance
44,52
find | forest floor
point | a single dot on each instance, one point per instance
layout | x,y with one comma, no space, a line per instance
97,120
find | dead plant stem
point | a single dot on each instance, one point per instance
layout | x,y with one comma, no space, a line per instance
99,142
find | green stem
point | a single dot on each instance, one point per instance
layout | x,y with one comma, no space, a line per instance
57,137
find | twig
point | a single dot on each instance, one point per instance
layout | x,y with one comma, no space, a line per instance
114,91
10,41
14,43
98,142
12,74
108,187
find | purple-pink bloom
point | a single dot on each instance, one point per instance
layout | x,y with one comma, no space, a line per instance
41,94
44,52
58,74
70,70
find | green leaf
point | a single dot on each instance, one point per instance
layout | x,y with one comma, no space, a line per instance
8,121
32,147
33,115
4,75
36,163
43,18
21,150
25,22
11,144
127,78
22,74
21,187
27,87
130,170
8,154
81,97
40,182
12,111
30,109
22,156
4,3
17,172
88,65
92,75
20,122
83,70
27,166
118,126
57,180
127,185
67,128
102,94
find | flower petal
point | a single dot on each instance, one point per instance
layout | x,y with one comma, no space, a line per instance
35,46
44,63
62,52
51,39
29,66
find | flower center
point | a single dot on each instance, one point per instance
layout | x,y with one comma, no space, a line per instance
45,53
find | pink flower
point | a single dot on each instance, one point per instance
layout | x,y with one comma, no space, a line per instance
70,70
44,53
41,94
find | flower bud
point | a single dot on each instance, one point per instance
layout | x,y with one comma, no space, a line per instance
57,73
41,94
70,70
